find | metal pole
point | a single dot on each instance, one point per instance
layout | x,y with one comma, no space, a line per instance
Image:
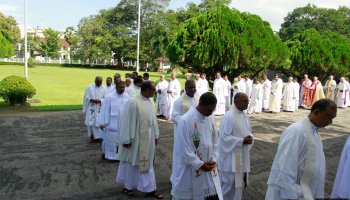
25,41
138,38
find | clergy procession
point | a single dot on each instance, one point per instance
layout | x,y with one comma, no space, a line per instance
212,162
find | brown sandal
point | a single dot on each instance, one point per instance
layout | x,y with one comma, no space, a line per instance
155,194
128,192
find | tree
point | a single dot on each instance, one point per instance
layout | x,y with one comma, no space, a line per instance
208,4
318,54
10,30
51,46
6,49
321,19
226,40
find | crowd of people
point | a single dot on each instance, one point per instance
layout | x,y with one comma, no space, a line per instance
207,165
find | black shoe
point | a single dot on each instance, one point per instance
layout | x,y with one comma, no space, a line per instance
103,157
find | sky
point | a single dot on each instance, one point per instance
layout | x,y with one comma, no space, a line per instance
61,14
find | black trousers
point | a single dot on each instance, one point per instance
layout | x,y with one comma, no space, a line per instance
215,197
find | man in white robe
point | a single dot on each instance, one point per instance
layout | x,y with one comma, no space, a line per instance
289,96
220,91
342,180
174,90
255,103
135,88
116,79
188,99
305,91
299,173
240,86
127,85
249,85
276,95
296,91
342,98
331,87
162,97
93,97
139,136
110,121
266,92
200,84
316,92
228,94
235,141
205,83
197,147
109,86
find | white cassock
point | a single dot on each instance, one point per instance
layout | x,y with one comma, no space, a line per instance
201,87
110,89
240,87
228,96
162,98
92,110
296,91
197,142
234,157
298,173
110,117
255,103
205,86
133,90
341,187
139,127
220,91
249,86
266,93
276,95
289,97
175,88
342,98
181,106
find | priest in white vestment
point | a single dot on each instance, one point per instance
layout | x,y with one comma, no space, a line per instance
205,84
341,187
116,79
266,92
240,86
197,149
249,85
296,91
139,135
342,98
188,99
109,86
235,142
174,90
289,96
331,87
110,121
93,97
305,91
135,88
162,96
127,85
299,168
201,87
276,95
228,94
220,91
255,103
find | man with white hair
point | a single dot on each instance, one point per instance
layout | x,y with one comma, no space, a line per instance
342,98
289,96
276,95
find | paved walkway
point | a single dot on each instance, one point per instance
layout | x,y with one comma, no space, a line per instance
48,156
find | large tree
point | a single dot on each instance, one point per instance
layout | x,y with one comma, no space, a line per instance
226,40
10,30
321,19
51,46
6,49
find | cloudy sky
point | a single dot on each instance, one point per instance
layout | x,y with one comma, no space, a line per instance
61,14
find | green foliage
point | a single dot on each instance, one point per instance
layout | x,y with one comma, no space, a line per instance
6,49
31,62
321,19
9,29
51,46
226,40
15,90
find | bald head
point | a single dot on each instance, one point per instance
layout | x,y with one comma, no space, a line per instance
98,81
241,101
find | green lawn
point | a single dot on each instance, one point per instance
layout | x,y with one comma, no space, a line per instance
62,88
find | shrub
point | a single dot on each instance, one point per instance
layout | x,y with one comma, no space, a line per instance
16,90
31,62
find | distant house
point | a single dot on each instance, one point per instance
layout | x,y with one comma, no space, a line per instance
164,64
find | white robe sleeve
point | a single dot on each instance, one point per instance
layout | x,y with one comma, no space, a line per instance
228,142
104,112
289,160
177,112
187,152
86,99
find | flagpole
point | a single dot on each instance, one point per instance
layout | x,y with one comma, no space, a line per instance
25,42
138,38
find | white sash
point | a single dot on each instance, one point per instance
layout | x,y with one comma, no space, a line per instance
309,168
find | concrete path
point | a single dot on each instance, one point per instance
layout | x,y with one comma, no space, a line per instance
48,156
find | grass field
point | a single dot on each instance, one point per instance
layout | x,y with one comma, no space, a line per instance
62,88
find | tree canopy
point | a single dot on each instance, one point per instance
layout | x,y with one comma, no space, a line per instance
9,29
